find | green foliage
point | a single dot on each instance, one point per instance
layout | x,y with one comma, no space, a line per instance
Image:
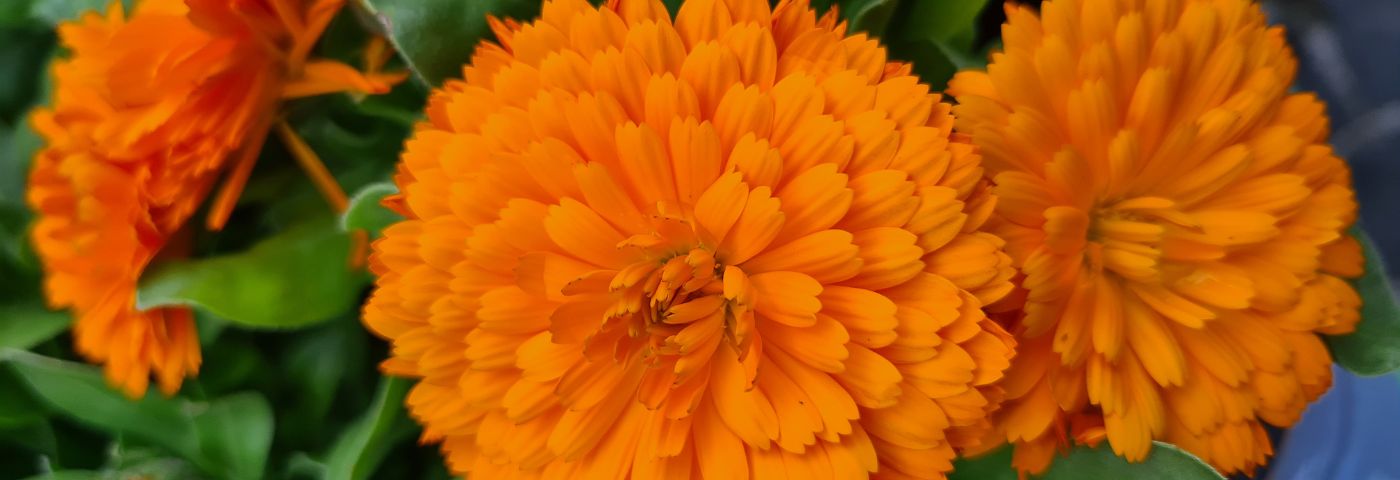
323,359
26,323
938,36
365,443
673,6
1166,462
227,437
436,37
293,279
127,462
944,21
366,212
18,409
870,16
18,86
1374,348
50,12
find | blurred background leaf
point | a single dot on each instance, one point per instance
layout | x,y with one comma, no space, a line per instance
1374,348
869,16
29,323
939,37
947,21
296,278
358,451
1165,462
51,12
132,463
227,437
366,211
436,37
235,433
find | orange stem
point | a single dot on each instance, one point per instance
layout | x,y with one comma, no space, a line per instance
359,249
320,175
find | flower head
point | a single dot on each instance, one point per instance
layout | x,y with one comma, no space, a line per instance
736,245
1179,219
148,113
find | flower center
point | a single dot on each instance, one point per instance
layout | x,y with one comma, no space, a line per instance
673,311
1123,237
680,279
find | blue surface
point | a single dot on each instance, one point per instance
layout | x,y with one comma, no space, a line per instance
1349,54
1352,433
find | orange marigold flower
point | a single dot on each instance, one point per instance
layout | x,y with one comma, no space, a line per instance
1179,219
736,245
148,113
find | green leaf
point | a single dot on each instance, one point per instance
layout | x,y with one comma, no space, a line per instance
23,53
48,13
673,6
930,62
366,212
80,392
233,363
14,226
28,323
17,407
937,37
1165,462
131,463
296,278
960,59
17,147
1374,348
319,360
941,20
995,465
436,37
235,434
51,12
228,437
403,106
359,450
30,448
70,475
870,16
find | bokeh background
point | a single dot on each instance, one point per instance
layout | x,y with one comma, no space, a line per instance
1349,54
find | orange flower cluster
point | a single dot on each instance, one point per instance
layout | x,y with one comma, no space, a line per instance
148,113
1179,219
737,245
743,243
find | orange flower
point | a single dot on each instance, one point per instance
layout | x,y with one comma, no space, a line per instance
1179,219
148,113
739,245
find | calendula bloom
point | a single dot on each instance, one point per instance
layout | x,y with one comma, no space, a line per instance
148,113
1179,219
739,245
